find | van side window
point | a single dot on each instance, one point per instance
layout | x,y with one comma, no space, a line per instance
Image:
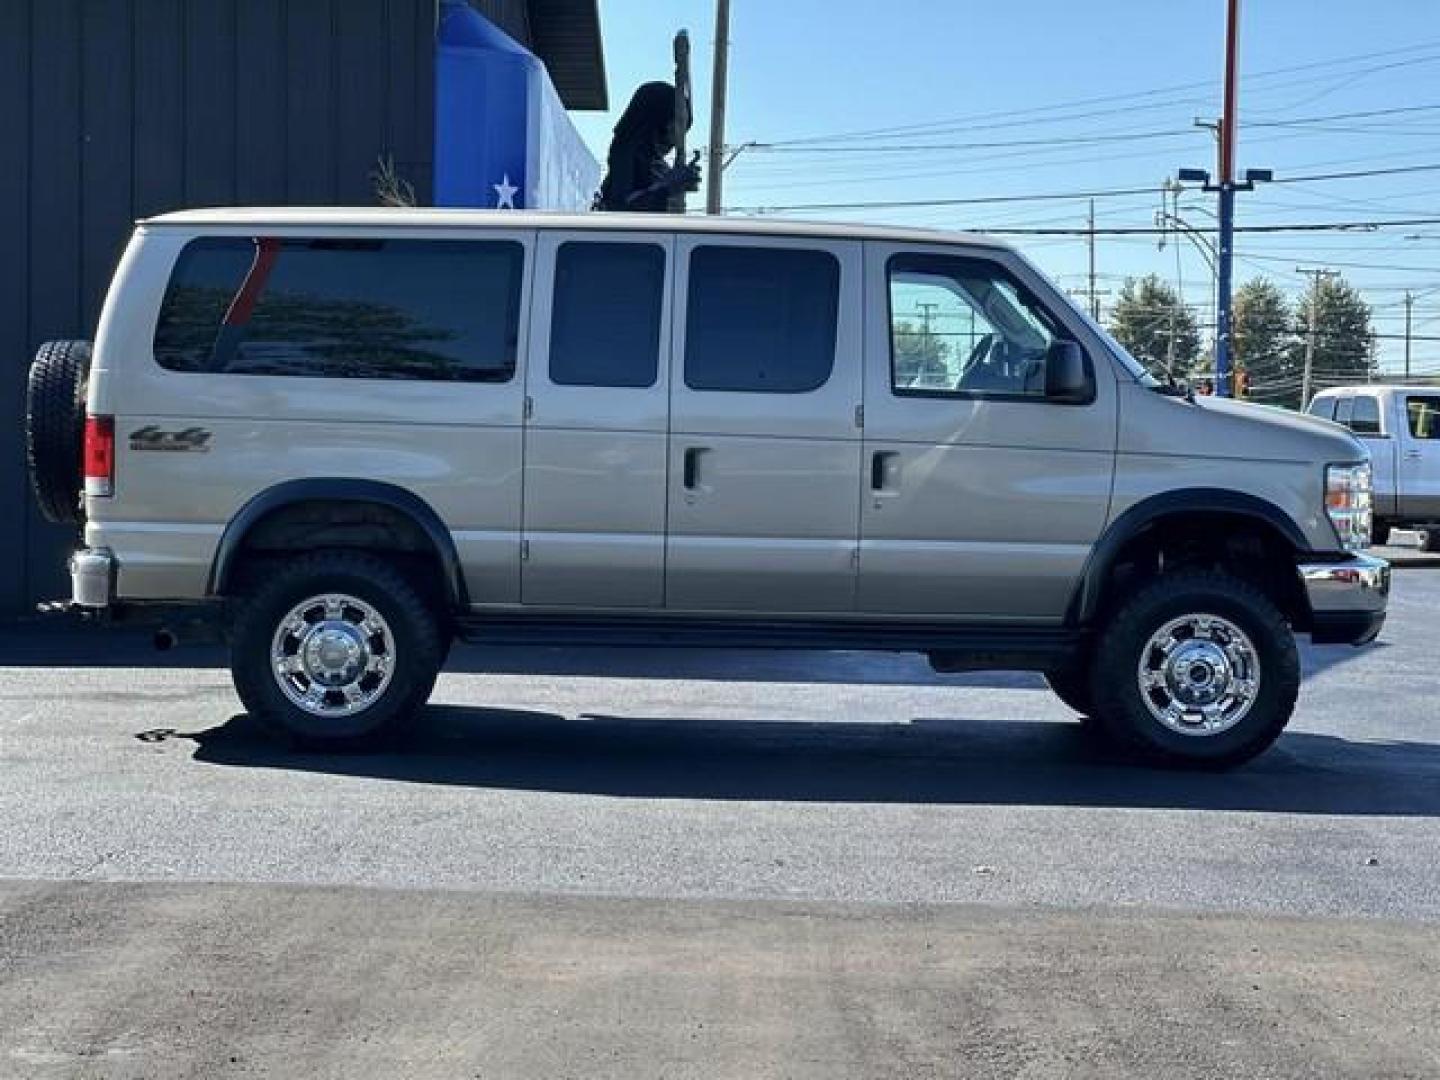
961,327
605,317
1323,407
446,310
1365,418
761,319
1423,414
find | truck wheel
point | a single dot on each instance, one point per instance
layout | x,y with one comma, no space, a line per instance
1072,686
1380,535
55,428
335,649
1430,539
1198,669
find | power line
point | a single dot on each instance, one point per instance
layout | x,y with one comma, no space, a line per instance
898,204
1147,230
1016,115
1071,140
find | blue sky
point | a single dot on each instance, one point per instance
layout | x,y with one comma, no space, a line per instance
1099,96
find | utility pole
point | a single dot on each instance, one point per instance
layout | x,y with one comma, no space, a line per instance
1094,298
1315,276
927,310
1409,306
718,89
1226,186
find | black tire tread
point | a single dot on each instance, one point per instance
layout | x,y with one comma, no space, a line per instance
1113,676
1072,686
55,428
253,625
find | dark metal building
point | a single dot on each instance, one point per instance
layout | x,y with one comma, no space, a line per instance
112,110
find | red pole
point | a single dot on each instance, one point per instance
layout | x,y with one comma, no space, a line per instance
1232,75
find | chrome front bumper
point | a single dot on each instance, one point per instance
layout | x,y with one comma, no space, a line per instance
1347,598
92,578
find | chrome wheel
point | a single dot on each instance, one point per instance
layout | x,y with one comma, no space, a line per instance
1199,675
333,655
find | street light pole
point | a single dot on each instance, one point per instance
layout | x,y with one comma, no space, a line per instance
1227,204
1226,186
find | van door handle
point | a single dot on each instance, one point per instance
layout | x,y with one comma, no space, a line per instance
1412,455
883,464
692,467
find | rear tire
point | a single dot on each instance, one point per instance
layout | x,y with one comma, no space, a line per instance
336,650
55,428
1430,539
1197,669
1381,535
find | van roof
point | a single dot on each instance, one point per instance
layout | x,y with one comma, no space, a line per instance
382,217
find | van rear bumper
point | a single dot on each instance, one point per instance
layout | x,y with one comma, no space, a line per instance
92,578
1347,599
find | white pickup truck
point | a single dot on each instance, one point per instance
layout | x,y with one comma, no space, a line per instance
1401,427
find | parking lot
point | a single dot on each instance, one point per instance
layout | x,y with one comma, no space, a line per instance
754,849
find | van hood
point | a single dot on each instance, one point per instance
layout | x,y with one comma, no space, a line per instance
1224,428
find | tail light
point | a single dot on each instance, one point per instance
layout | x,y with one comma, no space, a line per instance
99,455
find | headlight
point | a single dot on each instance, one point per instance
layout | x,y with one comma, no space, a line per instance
1348,503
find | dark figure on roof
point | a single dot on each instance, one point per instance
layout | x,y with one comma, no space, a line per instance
639,177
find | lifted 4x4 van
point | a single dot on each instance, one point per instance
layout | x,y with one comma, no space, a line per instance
348,436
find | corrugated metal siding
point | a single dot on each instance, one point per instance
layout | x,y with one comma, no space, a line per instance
512,16
118,109
567,37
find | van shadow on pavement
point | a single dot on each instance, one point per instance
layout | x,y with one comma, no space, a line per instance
954,761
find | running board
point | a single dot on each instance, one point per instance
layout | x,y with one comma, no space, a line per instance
951,646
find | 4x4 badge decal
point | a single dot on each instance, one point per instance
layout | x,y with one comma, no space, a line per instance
193,440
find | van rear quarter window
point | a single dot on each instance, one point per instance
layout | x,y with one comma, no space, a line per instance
445,310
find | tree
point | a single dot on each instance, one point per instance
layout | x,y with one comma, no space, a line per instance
1152,322
921,356
1263,336
1343,335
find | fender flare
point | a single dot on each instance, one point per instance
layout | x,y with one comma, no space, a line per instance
339,489
1085,601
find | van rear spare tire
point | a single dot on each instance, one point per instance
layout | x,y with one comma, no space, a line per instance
55,428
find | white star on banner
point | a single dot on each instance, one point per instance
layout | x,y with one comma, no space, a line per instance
505,194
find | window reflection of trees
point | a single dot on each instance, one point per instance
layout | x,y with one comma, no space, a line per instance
298,334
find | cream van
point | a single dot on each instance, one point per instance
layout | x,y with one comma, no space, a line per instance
345,437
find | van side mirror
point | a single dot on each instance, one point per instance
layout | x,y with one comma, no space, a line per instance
1068,378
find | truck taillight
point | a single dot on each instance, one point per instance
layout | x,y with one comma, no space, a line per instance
99,455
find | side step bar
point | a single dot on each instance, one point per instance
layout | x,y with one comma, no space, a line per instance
951,647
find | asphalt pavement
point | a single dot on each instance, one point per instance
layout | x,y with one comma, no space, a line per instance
598,863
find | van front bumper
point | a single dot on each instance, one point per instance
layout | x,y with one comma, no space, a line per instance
1347,599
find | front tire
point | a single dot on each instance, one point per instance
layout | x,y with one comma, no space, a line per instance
335,650
1199,669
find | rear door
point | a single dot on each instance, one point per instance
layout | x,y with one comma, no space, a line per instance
1419,464
595,434
764,447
